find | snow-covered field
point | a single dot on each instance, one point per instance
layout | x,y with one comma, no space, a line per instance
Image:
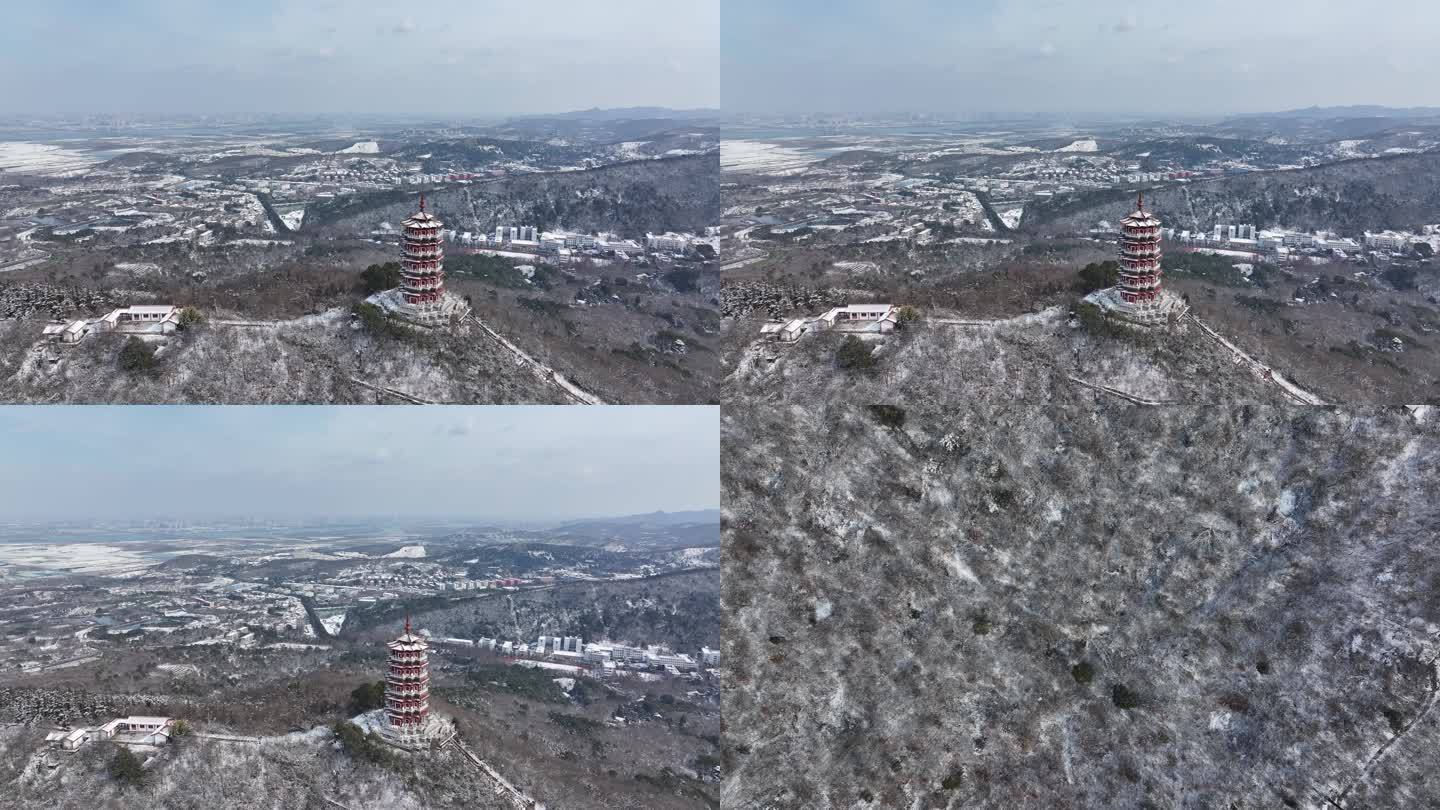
293,219
43,159
1011,217
763,158
75,558
332,624
408,551
361,148
630,150
1084,145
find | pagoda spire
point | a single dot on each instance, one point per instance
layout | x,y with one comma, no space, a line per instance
407,615
422,202
1139,201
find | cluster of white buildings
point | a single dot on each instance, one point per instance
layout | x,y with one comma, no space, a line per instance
670,242
140,319
600,657
529,239
880,318
133,730
1250,239
1281,242
1400,241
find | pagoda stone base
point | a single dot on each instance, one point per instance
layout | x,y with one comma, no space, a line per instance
437,730
439,313
1166,309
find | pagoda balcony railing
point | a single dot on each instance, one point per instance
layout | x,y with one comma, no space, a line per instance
424,265
1141,264
406,693
1155,285
412,693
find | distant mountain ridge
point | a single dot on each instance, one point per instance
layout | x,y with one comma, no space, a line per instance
1348,111
659,519
621,114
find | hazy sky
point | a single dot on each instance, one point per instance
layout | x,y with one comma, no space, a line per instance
470,57
491,462
1072,56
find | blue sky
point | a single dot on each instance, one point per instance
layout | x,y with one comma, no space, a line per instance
1069,56
512,462
471,57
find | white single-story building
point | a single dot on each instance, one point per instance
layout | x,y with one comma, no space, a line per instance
71,332
880,317
136,724
789,332
75,332
157,318
75,739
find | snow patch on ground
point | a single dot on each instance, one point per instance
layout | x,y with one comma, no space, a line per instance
961,569
43,159
74,558
361,148
408,551
763,158
293,219
1083,145
332,624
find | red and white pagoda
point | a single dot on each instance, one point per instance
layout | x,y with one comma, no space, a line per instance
408,721
1139,298
421,297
